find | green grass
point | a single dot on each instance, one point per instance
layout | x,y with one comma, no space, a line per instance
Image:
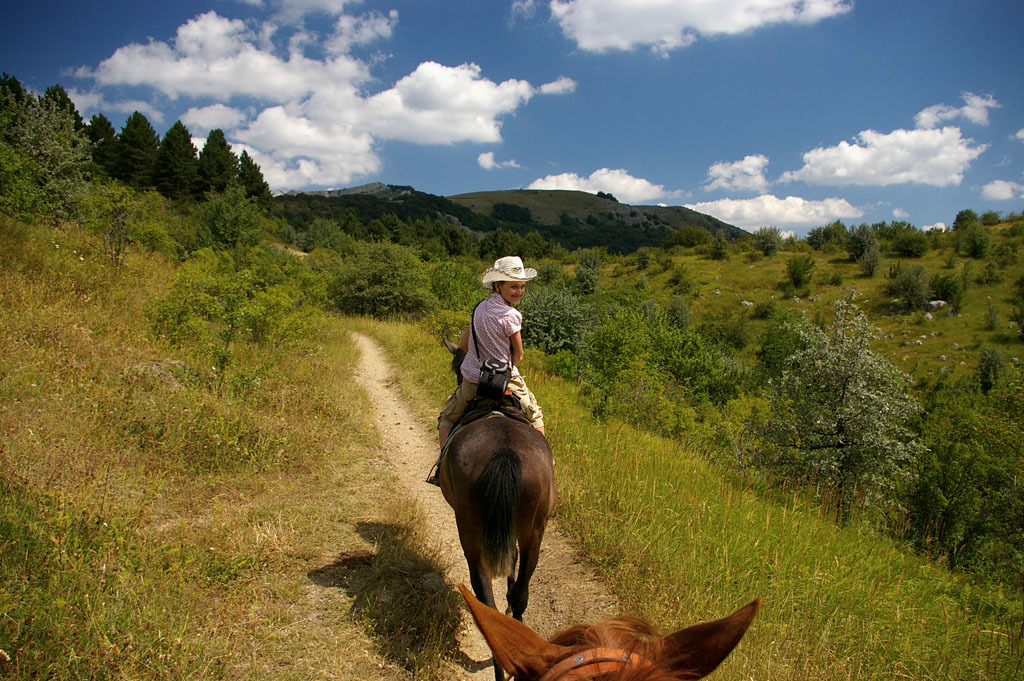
680,542
919,346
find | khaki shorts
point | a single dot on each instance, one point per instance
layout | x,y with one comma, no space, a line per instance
455,406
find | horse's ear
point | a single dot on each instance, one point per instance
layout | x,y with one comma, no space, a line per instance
519,650
694,652
452,348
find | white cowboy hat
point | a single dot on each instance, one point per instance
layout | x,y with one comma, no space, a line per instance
509,268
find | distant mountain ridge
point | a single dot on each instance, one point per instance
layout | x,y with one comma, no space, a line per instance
574,219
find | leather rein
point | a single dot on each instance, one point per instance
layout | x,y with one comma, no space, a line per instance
591,663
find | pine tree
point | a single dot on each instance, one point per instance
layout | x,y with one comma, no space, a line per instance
251,178
57,95
137,146
218,165
176,167
101,133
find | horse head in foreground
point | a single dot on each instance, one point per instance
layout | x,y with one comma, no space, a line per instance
497,475
616,649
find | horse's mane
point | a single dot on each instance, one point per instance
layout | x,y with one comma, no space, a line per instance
630,634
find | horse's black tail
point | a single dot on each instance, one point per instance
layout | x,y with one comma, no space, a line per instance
497,493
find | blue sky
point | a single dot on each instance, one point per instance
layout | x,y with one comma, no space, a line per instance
788,113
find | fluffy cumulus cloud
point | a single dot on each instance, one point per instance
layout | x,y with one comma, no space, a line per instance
975,109
1019,135
665,25
792,211
206,118
309,120
1002,190
617,182
937,157
744,175
487,162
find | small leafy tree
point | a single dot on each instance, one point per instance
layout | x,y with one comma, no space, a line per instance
768,240
799,269
840,414
110,209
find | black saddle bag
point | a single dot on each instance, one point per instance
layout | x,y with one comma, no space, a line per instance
493,382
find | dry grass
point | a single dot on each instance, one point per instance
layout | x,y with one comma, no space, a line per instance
155,528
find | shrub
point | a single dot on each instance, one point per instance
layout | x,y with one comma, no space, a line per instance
768,240
719,248
945,287
679,312
860,241
975,241
833,234
911,243
687,236
381,280
680,281
870,259
454,287
990,218
910,284
554,319
799,269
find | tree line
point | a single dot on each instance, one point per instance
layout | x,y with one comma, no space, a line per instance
48,153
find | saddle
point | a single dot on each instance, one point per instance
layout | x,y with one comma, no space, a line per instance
483,407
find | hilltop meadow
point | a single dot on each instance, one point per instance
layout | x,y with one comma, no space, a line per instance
831,424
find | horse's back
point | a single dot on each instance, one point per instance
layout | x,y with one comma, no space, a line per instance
479,444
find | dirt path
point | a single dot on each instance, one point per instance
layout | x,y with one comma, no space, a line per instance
563,591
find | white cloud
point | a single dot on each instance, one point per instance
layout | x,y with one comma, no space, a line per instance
292,11
792,211
665,25
522,8
438,104
938,226
1019,135
900,214
619,183
206,118
975,109
217,57
487,162
1002,190
350,31
311,120
937,157
744,175
561,86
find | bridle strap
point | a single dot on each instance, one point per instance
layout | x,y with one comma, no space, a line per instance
590,663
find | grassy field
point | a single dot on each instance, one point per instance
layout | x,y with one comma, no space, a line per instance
152,527
917,344
680,541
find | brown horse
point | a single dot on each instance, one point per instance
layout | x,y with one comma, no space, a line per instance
498,477
616,649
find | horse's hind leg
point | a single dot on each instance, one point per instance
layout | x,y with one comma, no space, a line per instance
519,591
481,583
